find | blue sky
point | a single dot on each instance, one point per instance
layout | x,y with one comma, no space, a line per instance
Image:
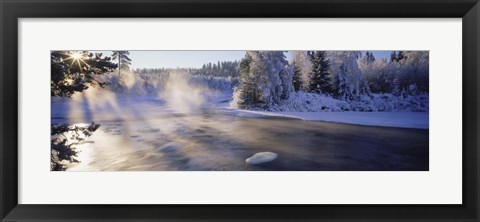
192,59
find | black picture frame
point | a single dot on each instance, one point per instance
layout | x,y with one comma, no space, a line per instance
12,10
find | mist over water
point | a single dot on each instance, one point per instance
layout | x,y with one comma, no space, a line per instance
222,142
185,128
192,119
180,96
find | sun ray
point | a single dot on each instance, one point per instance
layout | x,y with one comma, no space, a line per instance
77,57
85,63
79,65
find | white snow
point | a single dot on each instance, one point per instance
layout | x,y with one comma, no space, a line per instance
417,120
261,157
312,102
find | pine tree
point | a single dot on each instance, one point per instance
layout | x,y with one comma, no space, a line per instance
400,56
320,80
297,78
355,78
279,67
265,79
124,61
75,71
72,72
303,63
369,58
393,57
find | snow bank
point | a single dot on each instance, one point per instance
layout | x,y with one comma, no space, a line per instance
417,120
261,157
312,102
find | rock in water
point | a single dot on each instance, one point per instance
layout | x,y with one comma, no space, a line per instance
261,157
171,147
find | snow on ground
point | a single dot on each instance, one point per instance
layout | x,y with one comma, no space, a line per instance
377,110
312,102
417,120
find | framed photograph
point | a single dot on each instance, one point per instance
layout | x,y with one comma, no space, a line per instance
225,110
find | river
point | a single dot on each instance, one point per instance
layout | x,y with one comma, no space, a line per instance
211,140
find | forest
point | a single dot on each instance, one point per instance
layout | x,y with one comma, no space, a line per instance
101,96
312,81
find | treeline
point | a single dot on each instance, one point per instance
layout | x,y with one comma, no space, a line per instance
405,73
220,76
267,78
219,69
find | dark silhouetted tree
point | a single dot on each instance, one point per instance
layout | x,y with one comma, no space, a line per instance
75,71
124,61
71,72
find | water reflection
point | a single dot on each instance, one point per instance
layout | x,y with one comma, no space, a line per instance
213,141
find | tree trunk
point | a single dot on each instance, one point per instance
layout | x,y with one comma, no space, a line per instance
118,64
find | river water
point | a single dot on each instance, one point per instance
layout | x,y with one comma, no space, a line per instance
214,141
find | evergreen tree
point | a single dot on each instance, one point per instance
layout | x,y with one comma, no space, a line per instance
75,71
245,93
303,63
369,58
265,79
124,61
343,91
400,55
393,57
297,78
278,66
320,80
63,148
71,72
351,67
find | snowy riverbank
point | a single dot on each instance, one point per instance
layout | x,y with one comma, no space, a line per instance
402,119
416,120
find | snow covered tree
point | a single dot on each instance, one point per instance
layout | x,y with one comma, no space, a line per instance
415,70
304,65
396,87
246,94
393,57
355,79
379,78
369,58
320,80
222,69
341,85
297,77
400,55
265,79
278,65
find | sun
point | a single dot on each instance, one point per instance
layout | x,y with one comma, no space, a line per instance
76,55
77,58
